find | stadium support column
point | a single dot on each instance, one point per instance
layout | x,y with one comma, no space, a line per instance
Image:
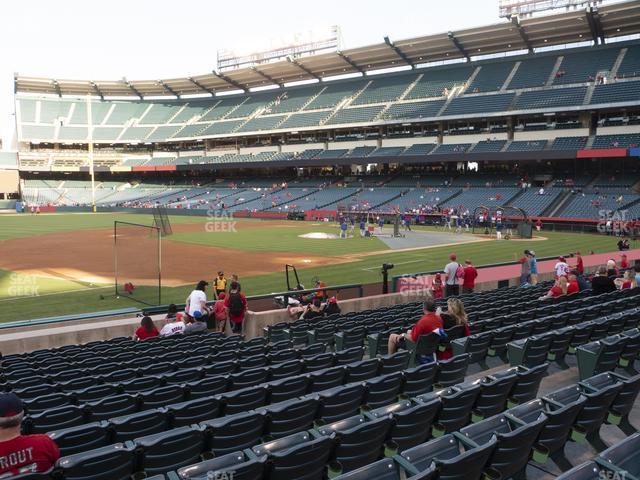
509,128
91,170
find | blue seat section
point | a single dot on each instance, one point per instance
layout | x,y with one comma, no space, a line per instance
616,92
630,140
581,67
533,72
491,77
468,104
559,97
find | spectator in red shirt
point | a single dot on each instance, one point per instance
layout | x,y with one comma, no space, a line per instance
236,304
572,285
437,286
628,280
624,263
22,453
579,263
559,288
469,278
220,313
147,329
429,323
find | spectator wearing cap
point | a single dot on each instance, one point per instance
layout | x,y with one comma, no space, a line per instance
175,326
451,280
195,324
561,267
601,283
219,284
147,329
22,453
525,268
331,307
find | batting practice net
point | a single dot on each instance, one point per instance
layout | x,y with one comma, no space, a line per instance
137,262
161,220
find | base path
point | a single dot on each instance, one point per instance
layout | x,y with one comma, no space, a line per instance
86,256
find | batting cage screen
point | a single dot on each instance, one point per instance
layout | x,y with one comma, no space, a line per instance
137,262
161,220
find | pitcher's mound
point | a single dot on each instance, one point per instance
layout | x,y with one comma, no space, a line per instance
319,235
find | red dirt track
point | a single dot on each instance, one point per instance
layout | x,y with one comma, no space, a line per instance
87,256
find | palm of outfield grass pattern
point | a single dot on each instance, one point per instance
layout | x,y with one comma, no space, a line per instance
352,261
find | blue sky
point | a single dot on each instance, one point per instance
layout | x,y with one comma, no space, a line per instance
144,39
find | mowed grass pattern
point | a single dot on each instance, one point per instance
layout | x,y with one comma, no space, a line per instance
80,298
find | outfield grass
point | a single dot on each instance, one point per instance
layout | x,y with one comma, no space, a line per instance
284,239
79,298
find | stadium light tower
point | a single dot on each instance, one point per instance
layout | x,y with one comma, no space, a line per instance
91,171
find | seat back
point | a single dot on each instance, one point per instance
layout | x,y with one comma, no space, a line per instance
361,444
305,461
493,394
235,432
419,380
289,417
138,424
452,371
170,450
81,438
340,402
232,465
327,378
194,411
363,370
115,462
287,388
382,390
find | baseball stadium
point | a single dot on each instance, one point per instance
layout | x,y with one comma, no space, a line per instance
413,258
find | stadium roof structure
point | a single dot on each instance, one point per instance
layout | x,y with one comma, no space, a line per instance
597,24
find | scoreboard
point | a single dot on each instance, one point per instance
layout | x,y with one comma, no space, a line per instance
510,8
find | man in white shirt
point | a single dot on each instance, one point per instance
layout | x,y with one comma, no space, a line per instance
174,327
561,268
197,300
451,281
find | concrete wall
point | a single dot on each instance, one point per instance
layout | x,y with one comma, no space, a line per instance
551,134
474,138
27,339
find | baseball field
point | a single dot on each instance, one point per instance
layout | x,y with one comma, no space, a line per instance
60,264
